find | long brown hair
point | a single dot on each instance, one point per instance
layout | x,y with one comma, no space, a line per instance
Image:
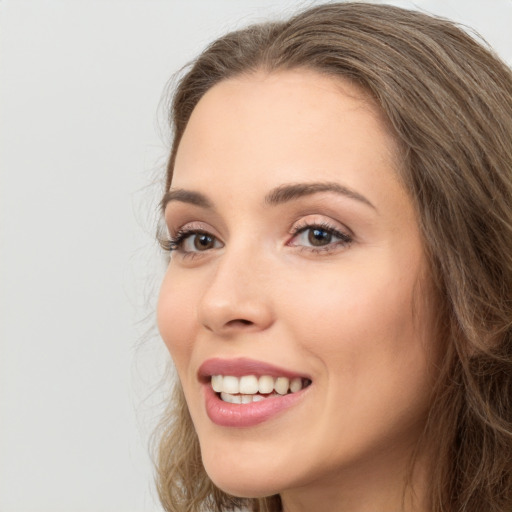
448,100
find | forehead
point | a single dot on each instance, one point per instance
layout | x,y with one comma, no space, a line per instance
265,128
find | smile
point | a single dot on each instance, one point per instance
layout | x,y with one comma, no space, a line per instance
250,388
242,392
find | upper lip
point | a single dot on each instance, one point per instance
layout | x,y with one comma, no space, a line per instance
243,366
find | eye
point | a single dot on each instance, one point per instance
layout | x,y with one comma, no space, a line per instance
193,241
319,237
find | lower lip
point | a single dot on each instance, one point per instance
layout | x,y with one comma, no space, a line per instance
247,415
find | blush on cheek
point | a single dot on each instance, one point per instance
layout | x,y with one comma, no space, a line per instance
175,318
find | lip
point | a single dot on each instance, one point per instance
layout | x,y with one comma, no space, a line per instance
243,366
245,415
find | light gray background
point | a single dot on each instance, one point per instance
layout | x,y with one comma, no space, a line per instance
80,83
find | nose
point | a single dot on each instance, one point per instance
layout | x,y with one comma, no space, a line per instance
237,295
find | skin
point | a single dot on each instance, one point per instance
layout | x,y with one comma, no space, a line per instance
356,317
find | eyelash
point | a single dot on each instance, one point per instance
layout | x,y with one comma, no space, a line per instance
175,243
344,238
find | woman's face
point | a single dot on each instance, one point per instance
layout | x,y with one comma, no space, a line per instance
297,256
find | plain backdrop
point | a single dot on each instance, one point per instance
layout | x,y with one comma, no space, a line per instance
81,159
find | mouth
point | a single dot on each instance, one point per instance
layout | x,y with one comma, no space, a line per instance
243,392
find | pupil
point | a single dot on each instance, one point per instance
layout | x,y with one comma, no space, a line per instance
202,242
319,237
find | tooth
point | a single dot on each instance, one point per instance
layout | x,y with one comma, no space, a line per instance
231,385
249,384
266,384
296,385
247,399
232,399
281,385
257,398
217,383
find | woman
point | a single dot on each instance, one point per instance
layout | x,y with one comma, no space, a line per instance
338,298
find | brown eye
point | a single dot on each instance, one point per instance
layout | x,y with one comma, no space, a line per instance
318,237
194,241
202,241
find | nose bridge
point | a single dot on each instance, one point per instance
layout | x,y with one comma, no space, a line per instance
236,295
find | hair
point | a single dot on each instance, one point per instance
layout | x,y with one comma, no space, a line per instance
448,101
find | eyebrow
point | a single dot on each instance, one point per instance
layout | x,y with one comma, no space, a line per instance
185,196
285,193
279,195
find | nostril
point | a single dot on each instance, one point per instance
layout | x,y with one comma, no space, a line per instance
227,315
239,322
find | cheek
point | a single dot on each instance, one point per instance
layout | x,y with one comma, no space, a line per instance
176,316
372,361
362,331
352,305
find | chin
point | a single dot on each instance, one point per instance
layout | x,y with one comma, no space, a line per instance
242,480
242,487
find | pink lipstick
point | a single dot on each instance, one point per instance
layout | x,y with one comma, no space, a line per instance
244,392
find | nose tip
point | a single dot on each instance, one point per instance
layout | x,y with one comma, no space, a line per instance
233,315
234,301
